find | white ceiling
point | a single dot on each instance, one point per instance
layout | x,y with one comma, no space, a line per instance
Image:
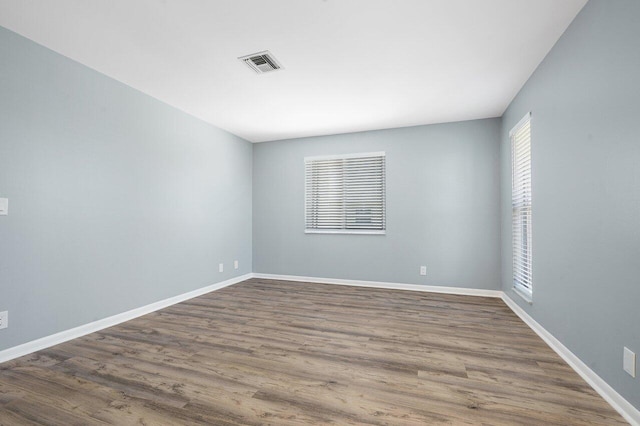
350,65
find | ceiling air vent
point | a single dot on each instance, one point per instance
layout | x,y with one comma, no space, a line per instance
261,62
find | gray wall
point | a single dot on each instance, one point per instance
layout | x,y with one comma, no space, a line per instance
585,105
442,208
116,200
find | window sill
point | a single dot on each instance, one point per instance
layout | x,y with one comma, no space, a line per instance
344,231
527,297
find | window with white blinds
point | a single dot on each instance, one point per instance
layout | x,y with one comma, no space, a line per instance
345,194
521,206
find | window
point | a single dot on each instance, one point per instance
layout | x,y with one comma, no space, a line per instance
345,194
520,137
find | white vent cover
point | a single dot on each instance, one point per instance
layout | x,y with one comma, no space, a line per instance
261,62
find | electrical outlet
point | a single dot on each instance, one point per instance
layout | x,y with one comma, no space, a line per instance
629,362
221,267
4,206
235,264
423,270
4,319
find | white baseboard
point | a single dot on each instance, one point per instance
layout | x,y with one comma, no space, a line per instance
63,336
621,405
379,284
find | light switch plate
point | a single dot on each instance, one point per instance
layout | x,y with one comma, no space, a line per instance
629,362
4,206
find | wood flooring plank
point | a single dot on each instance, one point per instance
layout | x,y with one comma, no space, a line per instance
267,352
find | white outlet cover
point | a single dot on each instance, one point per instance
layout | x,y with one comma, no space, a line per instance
4,206
4,319
221,267
423,270
629,362
235,264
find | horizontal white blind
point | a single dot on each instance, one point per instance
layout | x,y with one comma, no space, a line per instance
521,205
345,194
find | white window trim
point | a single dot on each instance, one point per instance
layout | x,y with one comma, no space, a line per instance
527,117
525,295
340,156
523,292
345,231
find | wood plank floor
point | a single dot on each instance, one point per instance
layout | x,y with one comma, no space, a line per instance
279,353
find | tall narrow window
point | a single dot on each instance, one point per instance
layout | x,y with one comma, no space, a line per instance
345,194
521,206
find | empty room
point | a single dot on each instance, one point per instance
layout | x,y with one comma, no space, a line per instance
301,212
